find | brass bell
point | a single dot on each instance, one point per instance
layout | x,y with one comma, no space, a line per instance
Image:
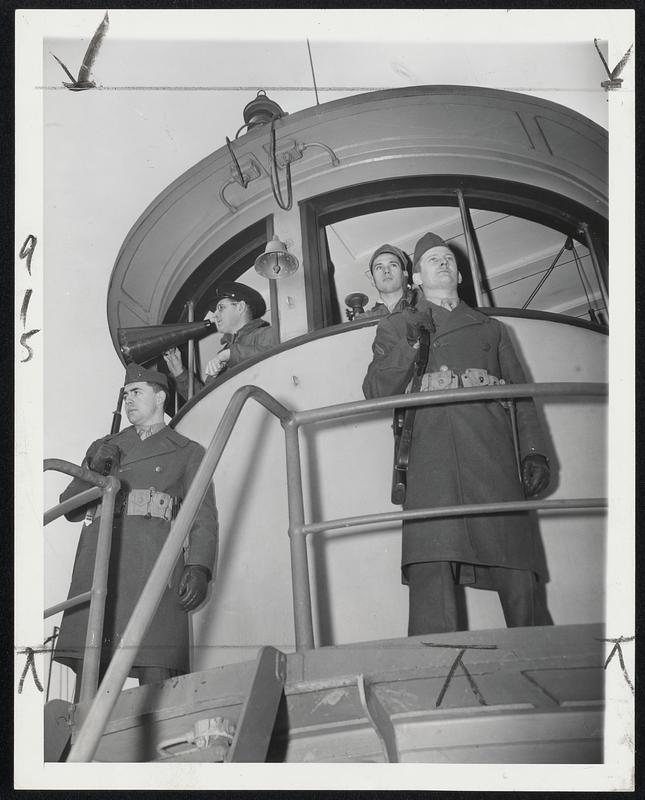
276,262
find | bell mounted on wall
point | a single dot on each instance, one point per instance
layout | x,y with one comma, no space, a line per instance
276,262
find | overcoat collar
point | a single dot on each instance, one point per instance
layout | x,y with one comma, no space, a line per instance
161,443
229,338
460,317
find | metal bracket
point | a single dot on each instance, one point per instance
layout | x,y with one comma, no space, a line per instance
293,151
248,168
242,173
379,719
290,151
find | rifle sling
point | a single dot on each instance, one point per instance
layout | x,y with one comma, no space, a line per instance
421,362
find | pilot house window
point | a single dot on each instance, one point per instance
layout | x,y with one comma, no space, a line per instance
527,253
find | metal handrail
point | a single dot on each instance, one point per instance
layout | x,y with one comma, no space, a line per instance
106,487
87,741
98,715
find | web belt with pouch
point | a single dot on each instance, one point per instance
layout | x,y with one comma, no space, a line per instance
446,378
146,503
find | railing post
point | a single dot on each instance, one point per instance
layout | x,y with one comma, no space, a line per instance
94,636
298,542
191,352
475,268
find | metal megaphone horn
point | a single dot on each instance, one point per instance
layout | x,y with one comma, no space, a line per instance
145,343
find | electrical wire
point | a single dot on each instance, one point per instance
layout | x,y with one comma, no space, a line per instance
275,179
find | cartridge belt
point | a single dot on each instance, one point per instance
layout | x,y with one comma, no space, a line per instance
145,503
445,378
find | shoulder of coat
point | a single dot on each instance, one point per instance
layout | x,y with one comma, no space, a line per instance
177,438
478,316
116,438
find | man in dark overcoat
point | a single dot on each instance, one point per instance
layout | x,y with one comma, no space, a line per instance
156,466
461,453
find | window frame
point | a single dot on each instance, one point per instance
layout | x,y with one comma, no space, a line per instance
522,200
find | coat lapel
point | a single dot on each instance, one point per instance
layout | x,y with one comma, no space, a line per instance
137,450
460,317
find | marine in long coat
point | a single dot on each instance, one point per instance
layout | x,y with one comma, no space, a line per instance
461,453
160,466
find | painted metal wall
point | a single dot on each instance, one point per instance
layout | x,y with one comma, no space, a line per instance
422,130
355,577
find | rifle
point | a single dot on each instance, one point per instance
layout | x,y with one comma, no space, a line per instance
404,422
116,414
114,428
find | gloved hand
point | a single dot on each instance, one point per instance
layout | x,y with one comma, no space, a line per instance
106,459
535,474
416,322
193,586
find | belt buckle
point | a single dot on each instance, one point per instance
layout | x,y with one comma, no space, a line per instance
151,493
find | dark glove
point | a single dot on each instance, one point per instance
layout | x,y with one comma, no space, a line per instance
193,586
416,322
535,474
106,459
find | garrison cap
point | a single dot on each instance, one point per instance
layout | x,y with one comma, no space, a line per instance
238,291
426,242
135,373
404,258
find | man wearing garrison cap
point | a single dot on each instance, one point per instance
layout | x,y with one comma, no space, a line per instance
461,453
156,466
236,310
390,275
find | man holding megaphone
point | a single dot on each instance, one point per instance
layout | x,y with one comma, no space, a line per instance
236,310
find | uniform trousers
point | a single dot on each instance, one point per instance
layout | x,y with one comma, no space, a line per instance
433,600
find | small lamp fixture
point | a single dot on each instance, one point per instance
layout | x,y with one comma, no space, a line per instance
276,262
356,302
260,111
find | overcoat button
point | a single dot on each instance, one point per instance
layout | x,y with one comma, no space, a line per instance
157,469
486,346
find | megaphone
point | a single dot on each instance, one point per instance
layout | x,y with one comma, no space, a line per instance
145,343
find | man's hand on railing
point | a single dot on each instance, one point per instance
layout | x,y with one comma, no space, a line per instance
193,586
536,474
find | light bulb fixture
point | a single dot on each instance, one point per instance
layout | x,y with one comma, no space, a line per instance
260,111
276,262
